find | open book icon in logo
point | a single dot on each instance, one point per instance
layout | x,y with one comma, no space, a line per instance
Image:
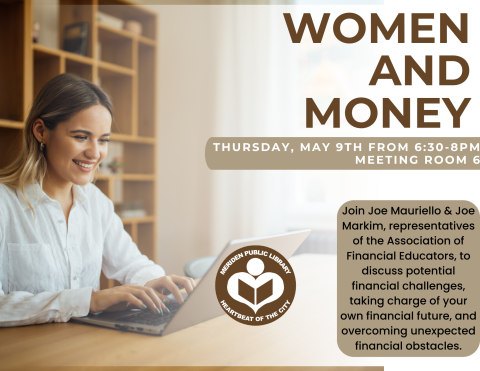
255,292
257,295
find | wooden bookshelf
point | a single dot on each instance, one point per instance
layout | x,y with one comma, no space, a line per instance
126,69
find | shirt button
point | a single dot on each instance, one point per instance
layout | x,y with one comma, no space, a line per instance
60,221
75,278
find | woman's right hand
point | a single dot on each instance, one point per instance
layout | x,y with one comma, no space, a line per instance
127,296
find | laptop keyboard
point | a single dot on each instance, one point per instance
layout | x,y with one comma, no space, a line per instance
149,318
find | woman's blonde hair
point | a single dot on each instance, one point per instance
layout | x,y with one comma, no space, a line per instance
60,99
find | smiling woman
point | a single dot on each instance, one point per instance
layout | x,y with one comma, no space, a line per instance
80,144
57,230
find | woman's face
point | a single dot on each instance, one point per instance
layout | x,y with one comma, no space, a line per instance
77,146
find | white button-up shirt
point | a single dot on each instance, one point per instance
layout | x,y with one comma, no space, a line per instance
48,271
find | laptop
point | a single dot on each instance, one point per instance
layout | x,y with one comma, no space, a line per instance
201,305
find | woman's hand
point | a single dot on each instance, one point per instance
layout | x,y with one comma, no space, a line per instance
127,296
171,284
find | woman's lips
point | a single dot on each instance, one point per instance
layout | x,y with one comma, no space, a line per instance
84,166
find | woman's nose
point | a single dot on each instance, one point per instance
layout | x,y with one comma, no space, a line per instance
93,151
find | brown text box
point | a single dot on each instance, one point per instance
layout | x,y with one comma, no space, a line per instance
329,153
412,297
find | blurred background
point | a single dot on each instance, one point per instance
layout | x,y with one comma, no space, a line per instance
195,72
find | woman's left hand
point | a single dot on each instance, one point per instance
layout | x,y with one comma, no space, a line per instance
171,284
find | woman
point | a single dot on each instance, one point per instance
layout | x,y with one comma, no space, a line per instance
57,230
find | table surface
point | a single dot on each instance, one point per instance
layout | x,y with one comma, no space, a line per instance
304,336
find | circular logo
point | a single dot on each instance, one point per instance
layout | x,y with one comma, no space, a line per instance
255,285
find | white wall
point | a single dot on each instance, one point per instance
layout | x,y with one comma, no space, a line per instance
218,77
186,82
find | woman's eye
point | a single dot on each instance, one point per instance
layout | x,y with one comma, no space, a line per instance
81,137
104,140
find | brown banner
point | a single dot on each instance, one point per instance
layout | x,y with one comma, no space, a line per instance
333,153
208,368
244,2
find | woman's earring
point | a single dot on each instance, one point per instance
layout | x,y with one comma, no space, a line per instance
42,146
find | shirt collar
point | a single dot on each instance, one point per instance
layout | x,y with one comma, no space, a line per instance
79,194
34,194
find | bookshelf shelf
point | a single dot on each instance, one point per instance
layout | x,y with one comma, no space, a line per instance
81,69
77,57
45,67
147,41
116,47
129,177
11,124
121,62
62,53
126,34
133,139
47,50
145,219
109,69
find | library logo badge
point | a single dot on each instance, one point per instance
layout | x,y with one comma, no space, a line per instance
255,285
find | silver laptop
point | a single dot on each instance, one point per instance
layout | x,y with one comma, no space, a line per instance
202,304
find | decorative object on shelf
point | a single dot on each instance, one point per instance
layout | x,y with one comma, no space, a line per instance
110,20
133,27
35,31
132,209
115,165
115,154
75,38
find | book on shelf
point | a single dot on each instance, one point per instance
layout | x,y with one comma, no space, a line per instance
110,20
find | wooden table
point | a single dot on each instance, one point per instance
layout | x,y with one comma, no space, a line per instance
304,336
